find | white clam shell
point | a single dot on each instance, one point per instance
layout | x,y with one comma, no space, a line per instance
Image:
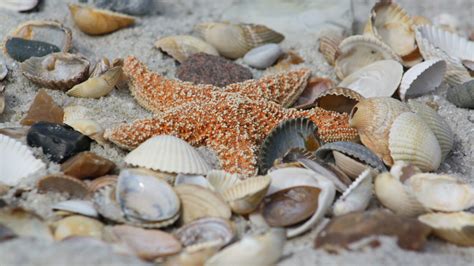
357,196
379,79
168,154
18,5
263,56
16,161
422,78
83,207
452,227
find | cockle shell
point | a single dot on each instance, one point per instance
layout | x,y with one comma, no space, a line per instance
77,225
59,183
59,71
181,47
361,50
421,20
456,228
16,161
98,21
422,78
357,197
339,99
245,196
329,46
19,5
262,250
379,79
221,180
83,207
235,40
98,86
462,95
168,154
206,230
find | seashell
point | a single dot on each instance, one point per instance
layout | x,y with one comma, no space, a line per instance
58,71
357,197
198,180
263,56
77,225
379,79
2,99
88,127
437,124
373,119
59,183
235,40
19,5
98,21
455,227
195,255
198,202
102,181
411,140
286,62
3,70
98,86
221,180
206,230
180,47
359,51
102,66
446,22
351,158
290,134
292,177
339,99
245,196
431,190
168,154
76,112
25,224
83,207
250,249
313,89
469,65
329,46
16,161
422,78
144,197
105,202
421,20
462,95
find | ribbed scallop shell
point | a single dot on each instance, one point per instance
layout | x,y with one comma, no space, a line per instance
462,95
329,46
181,47
16,161
338,99
422,78
411,140
97,87
221,180
58,71
357,197
437,124
168,154
245,196
361,50
456,228
206,230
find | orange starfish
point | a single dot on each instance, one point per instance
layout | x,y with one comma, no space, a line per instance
227,122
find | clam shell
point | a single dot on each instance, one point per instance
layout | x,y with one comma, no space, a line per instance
359,51
462,95
456,228
422,78
3,70
263,249
102,181
98,21
58,71
104,199
77,225
16,161
411,140
290,134
198,202
63,184
245,196
339,99
221,180
88,127
437,124
168,154
198,180
25,224
98,86
357,197
379,79
19,5
181,47
144,197
329,46
83,207
235,40
206,230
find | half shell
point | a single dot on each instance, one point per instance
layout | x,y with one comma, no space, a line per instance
339,99
245,196
462,95
221,180
206,230
198,180
98,86
77,225
422,78
182,46
457,228
357,197
314,88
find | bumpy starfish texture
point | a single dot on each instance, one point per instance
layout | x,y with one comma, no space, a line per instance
233,124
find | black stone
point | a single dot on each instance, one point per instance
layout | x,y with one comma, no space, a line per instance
58,141
22,49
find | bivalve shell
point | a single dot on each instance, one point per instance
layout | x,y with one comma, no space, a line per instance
98,86
357,197
221,180
198,180
245,196
77,225
456,228
82,207
25,224
206,230
19,5
180,47
329,46
462,95
422,78
88,127
339,99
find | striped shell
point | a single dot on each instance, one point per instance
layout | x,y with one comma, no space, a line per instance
329,46
180,47
221,180
357,197
245,196
422,78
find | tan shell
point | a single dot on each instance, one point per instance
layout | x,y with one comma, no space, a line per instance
98,86
245,196
221,180
102,66
206,230
77,225
338,99
329,47
63,184
456,228
198,202
88,127
25,224
421,20
102,181
98,21
350,166
235,40
180,47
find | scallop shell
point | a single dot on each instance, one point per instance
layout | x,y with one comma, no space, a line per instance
206,230
83,207
339,99
235,40
16,161
437,124
263,249
168,154
181,47
456,228
77,225
58,71
144,197
329,47
373,118
198,180
379,79
290,134
357,197
422,78
292,177
359,51
462,95
198,202
245,196
98,86
98,21
411,140
59,183
19,5
3,70
221,180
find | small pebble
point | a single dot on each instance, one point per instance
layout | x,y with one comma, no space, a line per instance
130,7
43,109
263,56
22,49
87,165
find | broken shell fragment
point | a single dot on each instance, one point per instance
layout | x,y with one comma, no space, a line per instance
63,184
456,228
357,197
77,225
462,95
206,230
180,47
422,78
98,86
245,196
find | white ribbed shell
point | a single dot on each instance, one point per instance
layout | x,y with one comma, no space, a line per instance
422,78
